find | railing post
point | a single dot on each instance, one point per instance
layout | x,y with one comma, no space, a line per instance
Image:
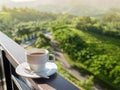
7,71
1,74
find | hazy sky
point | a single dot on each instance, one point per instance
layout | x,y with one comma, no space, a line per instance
93,3
22,0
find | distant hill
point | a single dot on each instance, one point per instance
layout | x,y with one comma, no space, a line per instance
77,7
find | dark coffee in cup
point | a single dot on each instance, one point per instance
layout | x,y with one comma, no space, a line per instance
37,53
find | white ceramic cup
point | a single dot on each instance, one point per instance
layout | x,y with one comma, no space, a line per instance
37,59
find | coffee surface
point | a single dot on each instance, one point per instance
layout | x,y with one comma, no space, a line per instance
37,53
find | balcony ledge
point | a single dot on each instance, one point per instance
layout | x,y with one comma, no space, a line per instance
15,55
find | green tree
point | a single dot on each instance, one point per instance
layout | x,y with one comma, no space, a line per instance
4,8
42,41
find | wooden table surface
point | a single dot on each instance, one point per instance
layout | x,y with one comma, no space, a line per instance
16,55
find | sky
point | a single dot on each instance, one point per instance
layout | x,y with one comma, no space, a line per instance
22,0
93,3
99,3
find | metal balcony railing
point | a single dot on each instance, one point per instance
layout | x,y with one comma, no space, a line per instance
11,56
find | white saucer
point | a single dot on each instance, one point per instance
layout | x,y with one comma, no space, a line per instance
51,68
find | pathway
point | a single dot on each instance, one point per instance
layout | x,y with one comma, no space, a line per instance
68,67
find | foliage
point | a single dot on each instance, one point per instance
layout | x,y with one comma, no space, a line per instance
112,18
85,43
42,41
19,19
62,22
26,28
68,41
30,15
109,25
87,84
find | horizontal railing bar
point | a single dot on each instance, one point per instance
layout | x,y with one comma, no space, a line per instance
16,55
13,51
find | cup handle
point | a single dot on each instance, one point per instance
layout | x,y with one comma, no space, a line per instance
53,56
